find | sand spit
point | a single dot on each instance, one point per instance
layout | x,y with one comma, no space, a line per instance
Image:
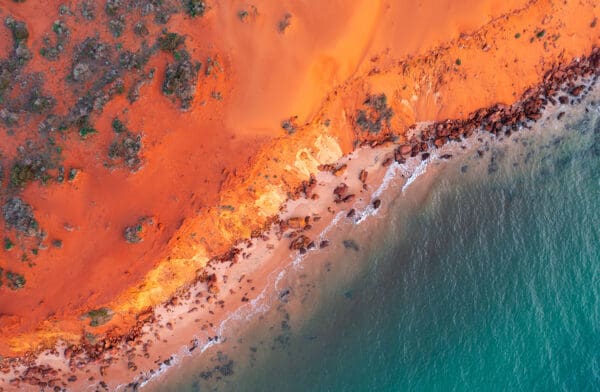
230,288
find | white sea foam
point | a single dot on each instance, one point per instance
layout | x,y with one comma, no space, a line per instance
418,172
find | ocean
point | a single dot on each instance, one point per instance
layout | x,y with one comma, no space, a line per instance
484,277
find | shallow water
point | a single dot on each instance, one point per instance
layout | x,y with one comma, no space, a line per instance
491,283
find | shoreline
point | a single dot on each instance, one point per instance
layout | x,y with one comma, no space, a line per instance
222,175
290,238
304,266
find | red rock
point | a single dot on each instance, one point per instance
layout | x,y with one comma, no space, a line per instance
439,142
296,222
405,149
576,91
300,242
340,170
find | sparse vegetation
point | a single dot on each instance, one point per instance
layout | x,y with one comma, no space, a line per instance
8,244
132,234
60,177
90,58
29,167
61,35
87,130
140,29
18,29
211,65
60,28
20,54
18,215
180,81
376,115
99,316
285,22
38,103
126,148
289,125
64,10
112,7
118,126
242,14
73,174
169,42
21,174
87,9
194,7
15,281
117,26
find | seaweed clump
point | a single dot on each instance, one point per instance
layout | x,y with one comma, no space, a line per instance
376,115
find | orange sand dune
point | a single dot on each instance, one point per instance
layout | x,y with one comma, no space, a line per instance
215,173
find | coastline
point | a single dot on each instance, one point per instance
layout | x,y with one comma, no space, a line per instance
422,83
262,259
362,228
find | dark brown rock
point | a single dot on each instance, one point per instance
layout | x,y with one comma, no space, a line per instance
363,176
340,190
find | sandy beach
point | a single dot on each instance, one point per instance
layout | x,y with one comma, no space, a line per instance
160,218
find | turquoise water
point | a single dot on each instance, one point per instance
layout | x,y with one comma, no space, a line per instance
493,283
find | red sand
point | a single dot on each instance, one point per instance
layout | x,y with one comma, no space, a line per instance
216,173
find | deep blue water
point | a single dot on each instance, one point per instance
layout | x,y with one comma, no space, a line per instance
493,283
